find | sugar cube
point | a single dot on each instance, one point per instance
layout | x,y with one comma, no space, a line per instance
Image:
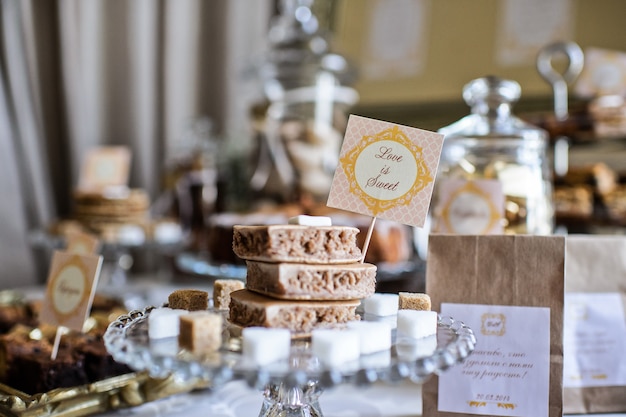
305,220
417,323
373,336
164,322
200,331
414,301
264,345
221,292
334,347
381,304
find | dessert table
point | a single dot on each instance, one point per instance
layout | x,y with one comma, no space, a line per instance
236,399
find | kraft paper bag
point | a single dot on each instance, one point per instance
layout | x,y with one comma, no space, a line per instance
506,272
596,265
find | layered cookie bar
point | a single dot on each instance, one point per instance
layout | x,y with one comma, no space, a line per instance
297,243
248,308
298,281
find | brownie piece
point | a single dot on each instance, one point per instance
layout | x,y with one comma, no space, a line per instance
98,363
27,365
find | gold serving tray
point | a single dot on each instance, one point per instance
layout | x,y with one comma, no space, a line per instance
114,393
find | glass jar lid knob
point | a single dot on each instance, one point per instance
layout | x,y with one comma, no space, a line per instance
489,93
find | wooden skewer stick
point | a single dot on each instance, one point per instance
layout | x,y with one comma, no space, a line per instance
57,342
367,239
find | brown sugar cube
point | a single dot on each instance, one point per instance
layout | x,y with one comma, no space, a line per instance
191,300
200,331
414,301
221,292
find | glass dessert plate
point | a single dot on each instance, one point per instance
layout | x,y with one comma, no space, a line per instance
291,387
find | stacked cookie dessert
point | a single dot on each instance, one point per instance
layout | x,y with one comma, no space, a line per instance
300,276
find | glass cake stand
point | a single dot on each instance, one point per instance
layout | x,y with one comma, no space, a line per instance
291,387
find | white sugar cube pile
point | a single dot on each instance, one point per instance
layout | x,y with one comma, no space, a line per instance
334,347
305,220
381,304
263,346
417,323
374,336
164,322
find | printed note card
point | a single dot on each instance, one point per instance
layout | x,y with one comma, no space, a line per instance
509,372
82,243
594,340
469,207
70,290
386,170
105,166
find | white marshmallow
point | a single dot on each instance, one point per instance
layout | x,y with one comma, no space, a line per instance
131,234
417,323
168,232
381,304
164,322
263,345
373,336
305,220
334,347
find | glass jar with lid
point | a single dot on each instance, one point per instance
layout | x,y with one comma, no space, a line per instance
299,128
494,176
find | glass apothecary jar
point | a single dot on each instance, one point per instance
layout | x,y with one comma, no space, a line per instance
299,127
494,176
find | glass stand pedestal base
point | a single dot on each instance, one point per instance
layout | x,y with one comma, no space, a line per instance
280,400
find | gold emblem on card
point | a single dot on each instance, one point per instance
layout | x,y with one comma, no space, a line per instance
471,189
387,191
493,324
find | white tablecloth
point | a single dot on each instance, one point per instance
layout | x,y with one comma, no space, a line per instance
235,399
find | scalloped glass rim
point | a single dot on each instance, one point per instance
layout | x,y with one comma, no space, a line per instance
135,350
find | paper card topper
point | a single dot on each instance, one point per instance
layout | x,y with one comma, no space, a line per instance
105,166
386,170
469,207
72,282
82,243
604,73
594,341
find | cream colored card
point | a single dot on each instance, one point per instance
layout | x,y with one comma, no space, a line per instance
594,340
72,282
511,363
106,166
386,170
470,207
82,243
604,73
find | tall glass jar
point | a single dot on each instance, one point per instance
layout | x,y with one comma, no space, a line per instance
494,176
299,128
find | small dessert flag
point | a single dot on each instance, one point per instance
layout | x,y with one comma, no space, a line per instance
72,282
105,166
386,170
82,243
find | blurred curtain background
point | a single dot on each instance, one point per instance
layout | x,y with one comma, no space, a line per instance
79,73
